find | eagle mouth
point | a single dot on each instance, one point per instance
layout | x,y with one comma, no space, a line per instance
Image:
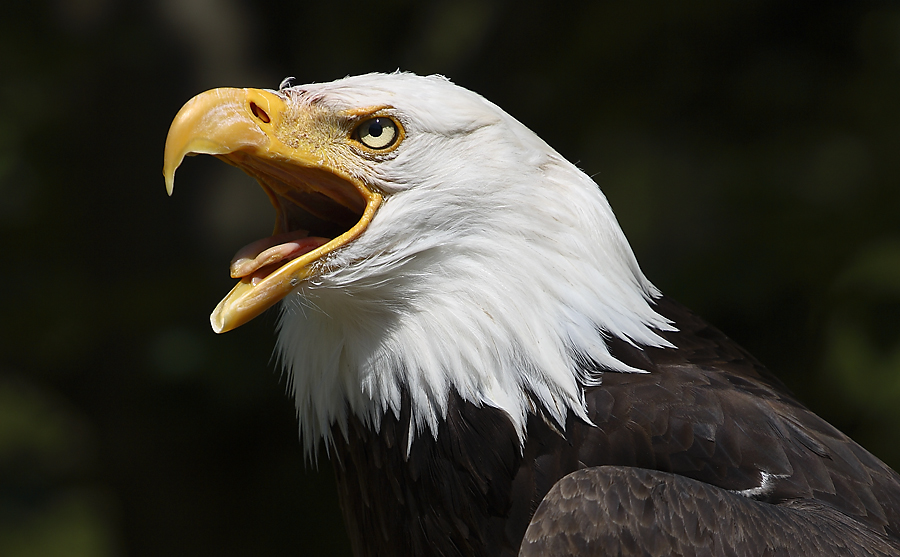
312,207
319,208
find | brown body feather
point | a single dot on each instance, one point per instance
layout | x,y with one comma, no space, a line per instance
708,428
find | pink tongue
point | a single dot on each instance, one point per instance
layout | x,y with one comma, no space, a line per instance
279,248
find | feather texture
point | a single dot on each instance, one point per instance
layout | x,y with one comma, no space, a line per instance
704,431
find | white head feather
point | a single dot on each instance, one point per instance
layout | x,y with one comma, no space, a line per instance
493,268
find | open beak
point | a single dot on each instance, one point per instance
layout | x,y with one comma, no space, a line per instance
318,207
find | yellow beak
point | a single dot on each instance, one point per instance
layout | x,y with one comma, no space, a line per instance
241,126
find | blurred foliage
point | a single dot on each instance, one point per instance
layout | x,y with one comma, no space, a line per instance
749,149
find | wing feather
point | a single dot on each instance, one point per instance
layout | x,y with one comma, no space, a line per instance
614,510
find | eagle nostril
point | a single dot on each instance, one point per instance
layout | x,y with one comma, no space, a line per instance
259,113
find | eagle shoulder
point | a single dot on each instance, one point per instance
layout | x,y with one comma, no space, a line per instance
618,510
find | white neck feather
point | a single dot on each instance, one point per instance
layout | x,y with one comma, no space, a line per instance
493,280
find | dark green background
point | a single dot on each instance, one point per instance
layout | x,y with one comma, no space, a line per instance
751,150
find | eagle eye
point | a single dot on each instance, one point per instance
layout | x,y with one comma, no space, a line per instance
377,133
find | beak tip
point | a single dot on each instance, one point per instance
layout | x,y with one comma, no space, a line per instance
217,322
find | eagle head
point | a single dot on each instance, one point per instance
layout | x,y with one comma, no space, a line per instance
425,242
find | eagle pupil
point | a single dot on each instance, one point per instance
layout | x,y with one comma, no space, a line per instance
375,129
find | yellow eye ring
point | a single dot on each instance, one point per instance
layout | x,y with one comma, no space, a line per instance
377,133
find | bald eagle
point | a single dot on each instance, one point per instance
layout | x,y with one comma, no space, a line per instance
465,325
